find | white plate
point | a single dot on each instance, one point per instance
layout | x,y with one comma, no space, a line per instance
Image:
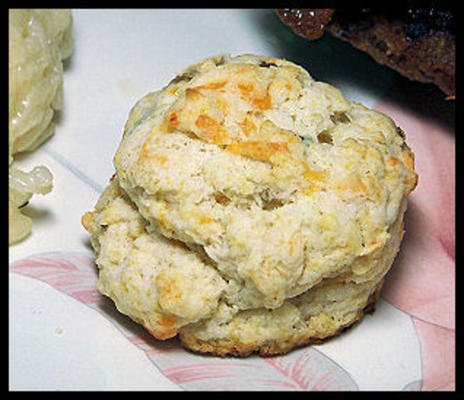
57,340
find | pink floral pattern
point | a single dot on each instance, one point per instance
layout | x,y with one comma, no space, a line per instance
422,280
421,284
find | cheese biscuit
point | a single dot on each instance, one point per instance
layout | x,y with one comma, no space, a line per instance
253,208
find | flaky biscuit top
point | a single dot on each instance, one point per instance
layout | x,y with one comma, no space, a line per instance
275,177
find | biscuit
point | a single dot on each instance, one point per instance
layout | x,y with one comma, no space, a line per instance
253,209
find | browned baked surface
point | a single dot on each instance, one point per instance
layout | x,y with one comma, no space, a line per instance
229,347
419,43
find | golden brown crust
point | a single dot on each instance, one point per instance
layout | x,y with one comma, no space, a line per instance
229,347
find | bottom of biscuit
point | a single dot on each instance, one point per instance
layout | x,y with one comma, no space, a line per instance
230,347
